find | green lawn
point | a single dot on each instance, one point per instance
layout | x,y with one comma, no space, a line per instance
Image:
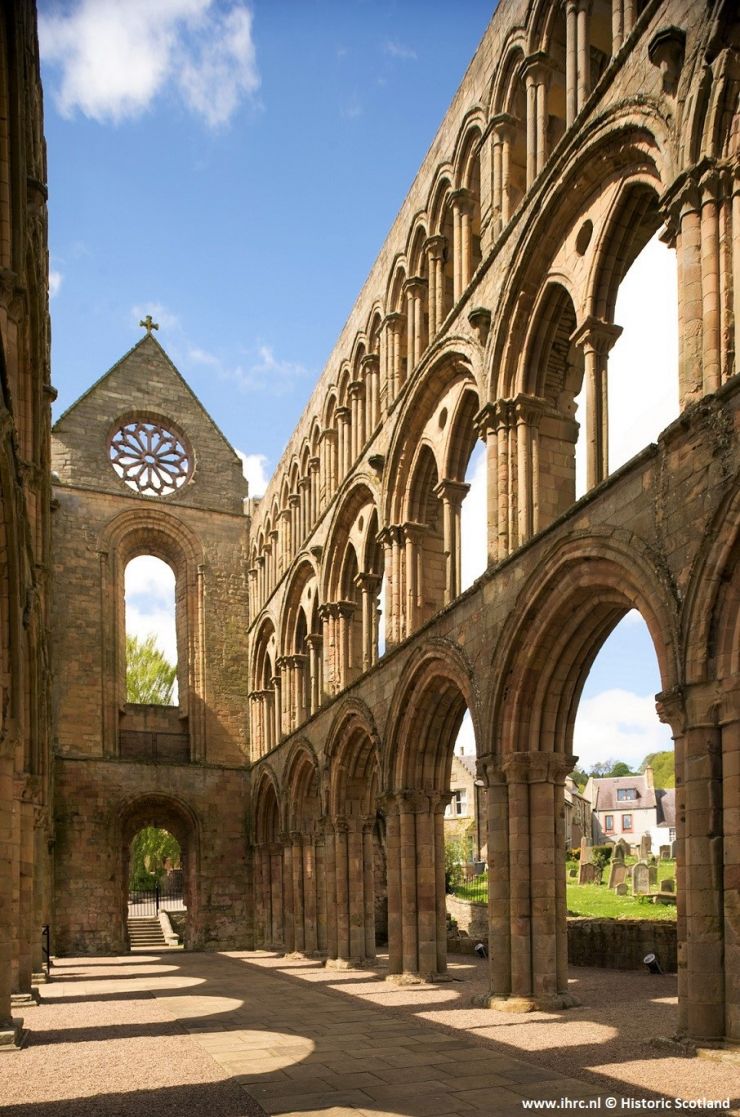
595,900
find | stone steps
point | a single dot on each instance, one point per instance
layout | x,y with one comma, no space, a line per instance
146,932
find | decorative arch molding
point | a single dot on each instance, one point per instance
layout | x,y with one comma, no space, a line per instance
266,783
435,660
711,614
579,594
172,813
153,531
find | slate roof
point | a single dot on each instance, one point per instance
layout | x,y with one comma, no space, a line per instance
667,807
605,793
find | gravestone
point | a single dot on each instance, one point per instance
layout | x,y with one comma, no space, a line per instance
653,874
646,846
668,885
641,879
621,850
674,849
664,853
589,874
621,890
587,852
617,873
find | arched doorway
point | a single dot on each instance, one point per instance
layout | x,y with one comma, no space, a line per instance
163,812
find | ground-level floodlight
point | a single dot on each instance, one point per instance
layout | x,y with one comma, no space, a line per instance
481,951
652,963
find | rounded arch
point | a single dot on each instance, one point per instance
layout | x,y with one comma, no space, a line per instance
623,145
429,702
353,760
267,822
171,813
579,594
303,787
153,531
711,616
300,598
349,526
634,218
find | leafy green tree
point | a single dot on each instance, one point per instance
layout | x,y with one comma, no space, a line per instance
150,849
606,768
664,767
621,769
150,677
580,779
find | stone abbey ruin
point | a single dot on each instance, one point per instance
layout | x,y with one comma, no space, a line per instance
304,774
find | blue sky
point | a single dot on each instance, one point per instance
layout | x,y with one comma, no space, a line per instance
233,169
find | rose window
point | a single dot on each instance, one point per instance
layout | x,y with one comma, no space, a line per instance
149,458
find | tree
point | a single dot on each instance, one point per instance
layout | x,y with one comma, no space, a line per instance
150,849
606,768
664,768
621,769
150,677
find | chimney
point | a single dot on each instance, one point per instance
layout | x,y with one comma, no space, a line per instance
649,778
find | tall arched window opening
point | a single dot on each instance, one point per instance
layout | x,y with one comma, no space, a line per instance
151,632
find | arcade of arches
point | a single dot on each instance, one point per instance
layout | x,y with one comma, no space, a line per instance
306,767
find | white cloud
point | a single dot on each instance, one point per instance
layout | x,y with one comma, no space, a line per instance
115,56
165,319
618,724
253,468
399,50
352,109
55,282
267,372
150,603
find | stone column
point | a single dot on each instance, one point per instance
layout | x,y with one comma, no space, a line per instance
391,808
528,412
294,504
370,369
499,898
275,681
730,725
596,338
537,78
583,83
356,396
310,898
571,62
314,466
287,882
388,539
413,535
328,446
343,419
260,581
369,585
253,596
486,429
330,671
278,929
516,767
415,289
296,862
368,872
356,874
304,490
671,710
710,281
503,131
330,876
10,1029
314,643
704,883
344,613
452,494
462,215
300,699
438,804
434,248
341,846
408,866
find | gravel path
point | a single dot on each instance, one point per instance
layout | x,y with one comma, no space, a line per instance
185,1035
101,1044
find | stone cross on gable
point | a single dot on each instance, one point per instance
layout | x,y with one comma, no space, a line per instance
149,325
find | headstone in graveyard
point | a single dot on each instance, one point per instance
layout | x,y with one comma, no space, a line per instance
617,873
674,849
587,851
641,879
668,885
621,889
646,846
653,875
665,853
589,874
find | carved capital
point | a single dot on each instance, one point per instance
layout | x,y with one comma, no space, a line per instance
596,335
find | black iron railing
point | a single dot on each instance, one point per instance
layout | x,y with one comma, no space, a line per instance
166,894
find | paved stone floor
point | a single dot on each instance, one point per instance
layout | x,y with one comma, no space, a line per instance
180,1035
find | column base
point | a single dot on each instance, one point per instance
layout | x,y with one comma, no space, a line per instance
25,1000
721,1050
345,964
302,956
556,1003
39,978
12,1035
407,978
